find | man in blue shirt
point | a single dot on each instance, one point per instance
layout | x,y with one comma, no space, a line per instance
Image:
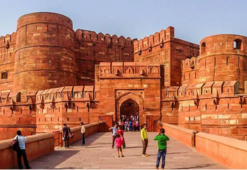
22,152
114,134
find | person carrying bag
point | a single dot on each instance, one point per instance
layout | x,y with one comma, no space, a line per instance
19,146
15,145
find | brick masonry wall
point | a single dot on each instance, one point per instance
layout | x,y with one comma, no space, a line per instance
92,48
56,75
7,57
46,39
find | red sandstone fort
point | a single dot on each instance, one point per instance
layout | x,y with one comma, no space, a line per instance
52,74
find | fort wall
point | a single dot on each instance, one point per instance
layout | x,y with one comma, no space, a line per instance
92,48
7,57
164,49
51,75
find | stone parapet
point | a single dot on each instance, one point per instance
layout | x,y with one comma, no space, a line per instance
184,135
36,146
227,151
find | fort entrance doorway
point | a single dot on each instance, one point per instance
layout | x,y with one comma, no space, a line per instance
129,110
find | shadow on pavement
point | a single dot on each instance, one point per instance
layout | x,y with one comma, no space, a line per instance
89,140
176,153
57,156
131,147
197,167
60,154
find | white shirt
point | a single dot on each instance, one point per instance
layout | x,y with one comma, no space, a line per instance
21,140
83,130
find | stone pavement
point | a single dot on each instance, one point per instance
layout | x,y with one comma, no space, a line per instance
97,153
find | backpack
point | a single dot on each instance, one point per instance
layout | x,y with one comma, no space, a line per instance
15,145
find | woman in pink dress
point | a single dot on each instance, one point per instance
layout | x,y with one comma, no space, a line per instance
119,143
120,132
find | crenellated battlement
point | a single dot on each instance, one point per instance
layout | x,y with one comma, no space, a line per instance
128,69
67,93
189,64
4,40
91,36
157,39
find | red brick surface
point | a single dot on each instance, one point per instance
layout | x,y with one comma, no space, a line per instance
58,75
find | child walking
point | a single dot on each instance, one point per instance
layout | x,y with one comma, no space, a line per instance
119,143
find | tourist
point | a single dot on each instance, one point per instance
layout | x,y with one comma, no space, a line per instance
119,144
114,134
137,126
66,135
22,151
162,144
83,130
122,123
133,118
121,133
126,125
130,125
144,136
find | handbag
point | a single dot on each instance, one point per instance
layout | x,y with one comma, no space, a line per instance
124,145
15,145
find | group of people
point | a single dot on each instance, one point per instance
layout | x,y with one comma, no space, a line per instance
118,138
129,124
67,134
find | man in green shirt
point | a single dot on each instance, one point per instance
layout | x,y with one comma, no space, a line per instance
144,136
162,139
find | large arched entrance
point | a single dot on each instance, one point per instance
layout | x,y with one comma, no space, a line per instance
136,101
129,110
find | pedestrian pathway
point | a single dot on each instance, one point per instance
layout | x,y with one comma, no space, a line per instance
97,153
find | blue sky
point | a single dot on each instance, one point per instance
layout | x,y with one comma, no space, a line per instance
192,19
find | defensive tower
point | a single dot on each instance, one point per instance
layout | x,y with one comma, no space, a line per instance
44,56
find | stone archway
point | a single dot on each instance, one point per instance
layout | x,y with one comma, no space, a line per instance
129,108
130,96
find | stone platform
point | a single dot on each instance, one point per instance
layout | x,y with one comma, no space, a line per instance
97,153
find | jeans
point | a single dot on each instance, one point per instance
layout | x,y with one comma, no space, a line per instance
22,153
83,138
161,153
66,142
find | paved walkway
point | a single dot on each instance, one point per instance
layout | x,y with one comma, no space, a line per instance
97,153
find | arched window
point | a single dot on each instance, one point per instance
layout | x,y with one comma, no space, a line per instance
203,47
4,75
238,44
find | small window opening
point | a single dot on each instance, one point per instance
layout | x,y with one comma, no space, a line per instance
203,48
4,75
238,44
